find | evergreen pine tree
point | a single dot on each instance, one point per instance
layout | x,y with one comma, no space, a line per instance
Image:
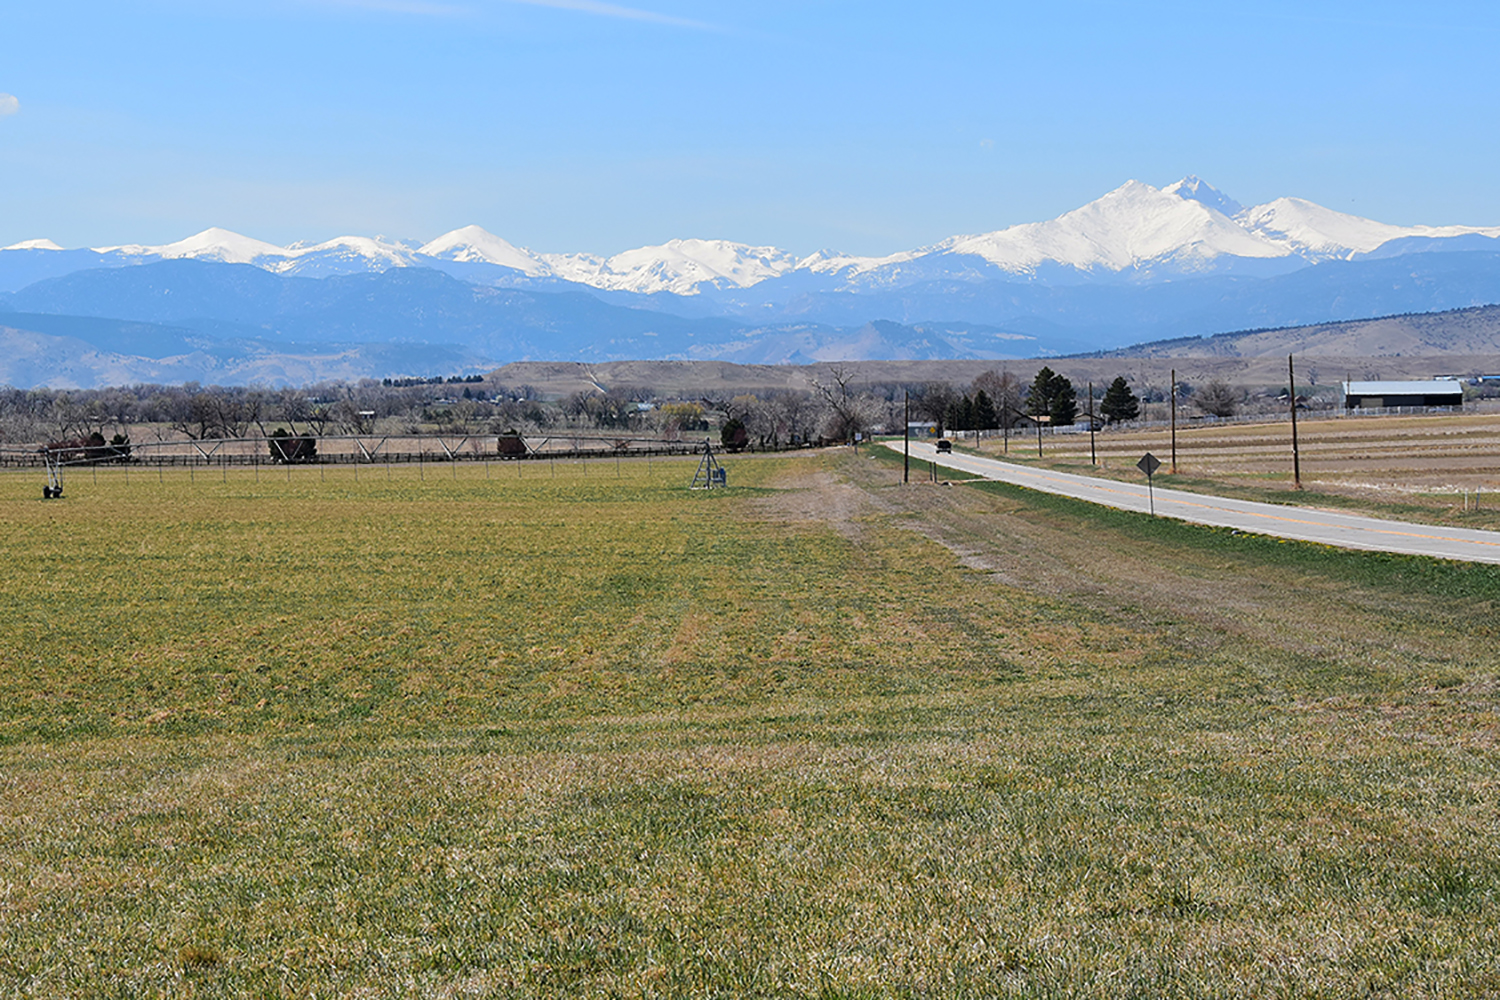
1062,402
966,414
985,417
1119,402
1039,396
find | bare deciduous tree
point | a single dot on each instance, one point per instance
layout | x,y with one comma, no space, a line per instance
1217,399
846,412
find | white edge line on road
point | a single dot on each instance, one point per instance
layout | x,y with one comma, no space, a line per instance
1225,509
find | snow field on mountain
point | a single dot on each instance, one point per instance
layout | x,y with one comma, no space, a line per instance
1187,227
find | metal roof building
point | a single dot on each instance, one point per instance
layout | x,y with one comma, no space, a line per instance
1421,393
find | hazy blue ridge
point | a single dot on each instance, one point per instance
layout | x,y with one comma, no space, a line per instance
1112,315
155,340
213,320
398,305
19,268
88,352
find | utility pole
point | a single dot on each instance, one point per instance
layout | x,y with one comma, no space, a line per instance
1173,394
906,444
1005,407
1291,392
1093,455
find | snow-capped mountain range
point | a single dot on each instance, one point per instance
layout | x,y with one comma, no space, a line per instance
1139,264
1135,232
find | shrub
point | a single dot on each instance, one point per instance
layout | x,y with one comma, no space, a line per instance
287,448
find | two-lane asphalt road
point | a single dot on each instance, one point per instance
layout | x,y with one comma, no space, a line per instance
1303,523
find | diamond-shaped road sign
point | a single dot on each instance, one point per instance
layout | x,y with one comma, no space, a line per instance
1148,464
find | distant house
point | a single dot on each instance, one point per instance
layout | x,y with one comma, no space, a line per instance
922,429
1423,393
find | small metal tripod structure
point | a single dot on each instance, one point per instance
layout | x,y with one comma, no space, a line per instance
710,473
53,489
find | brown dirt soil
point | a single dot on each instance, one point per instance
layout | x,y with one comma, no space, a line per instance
813,495
1379,458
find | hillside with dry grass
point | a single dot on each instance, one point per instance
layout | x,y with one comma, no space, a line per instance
1420,345
1473,331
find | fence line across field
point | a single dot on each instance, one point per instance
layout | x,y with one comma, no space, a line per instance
1208,420
210,464
352,449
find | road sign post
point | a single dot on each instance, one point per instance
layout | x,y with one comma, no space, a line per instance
1148,464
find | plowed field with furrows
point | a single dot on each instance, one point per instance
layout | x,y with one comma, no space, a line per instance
1379,458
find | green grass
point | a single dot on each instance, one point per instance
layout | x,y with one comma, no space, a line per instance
1445,580
595,736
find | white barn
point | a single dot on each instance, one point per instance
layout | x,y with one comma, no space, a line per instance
1419,393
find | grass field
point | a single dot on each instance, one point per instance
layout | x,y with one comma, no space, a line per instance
509,733
1437,468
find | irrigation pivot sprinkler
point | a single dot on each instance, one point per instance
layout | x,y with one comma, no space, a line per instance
1148,464
53,489
710,473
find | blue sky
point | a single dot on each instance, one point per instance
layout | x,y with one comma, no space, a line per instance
575,125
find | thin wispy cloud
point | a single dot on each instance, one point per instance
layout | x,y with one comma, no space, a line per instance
1438,21
595,7
422,7
9,105
615,10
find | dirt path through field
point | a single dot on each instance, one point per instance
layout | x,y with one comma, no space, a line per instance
811,493
1216,598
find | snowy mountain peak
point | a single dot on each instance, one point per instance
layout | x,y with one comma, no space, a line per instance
376,249
1136,230
1194,188
473,244
677,266
1134,226
832,262
1317,233
340,255
1314,231
211,244
33,245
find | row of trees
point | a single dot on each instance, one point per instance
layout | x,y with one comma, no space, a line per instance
996,400
204,412
1052,398
1053,395
835,406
